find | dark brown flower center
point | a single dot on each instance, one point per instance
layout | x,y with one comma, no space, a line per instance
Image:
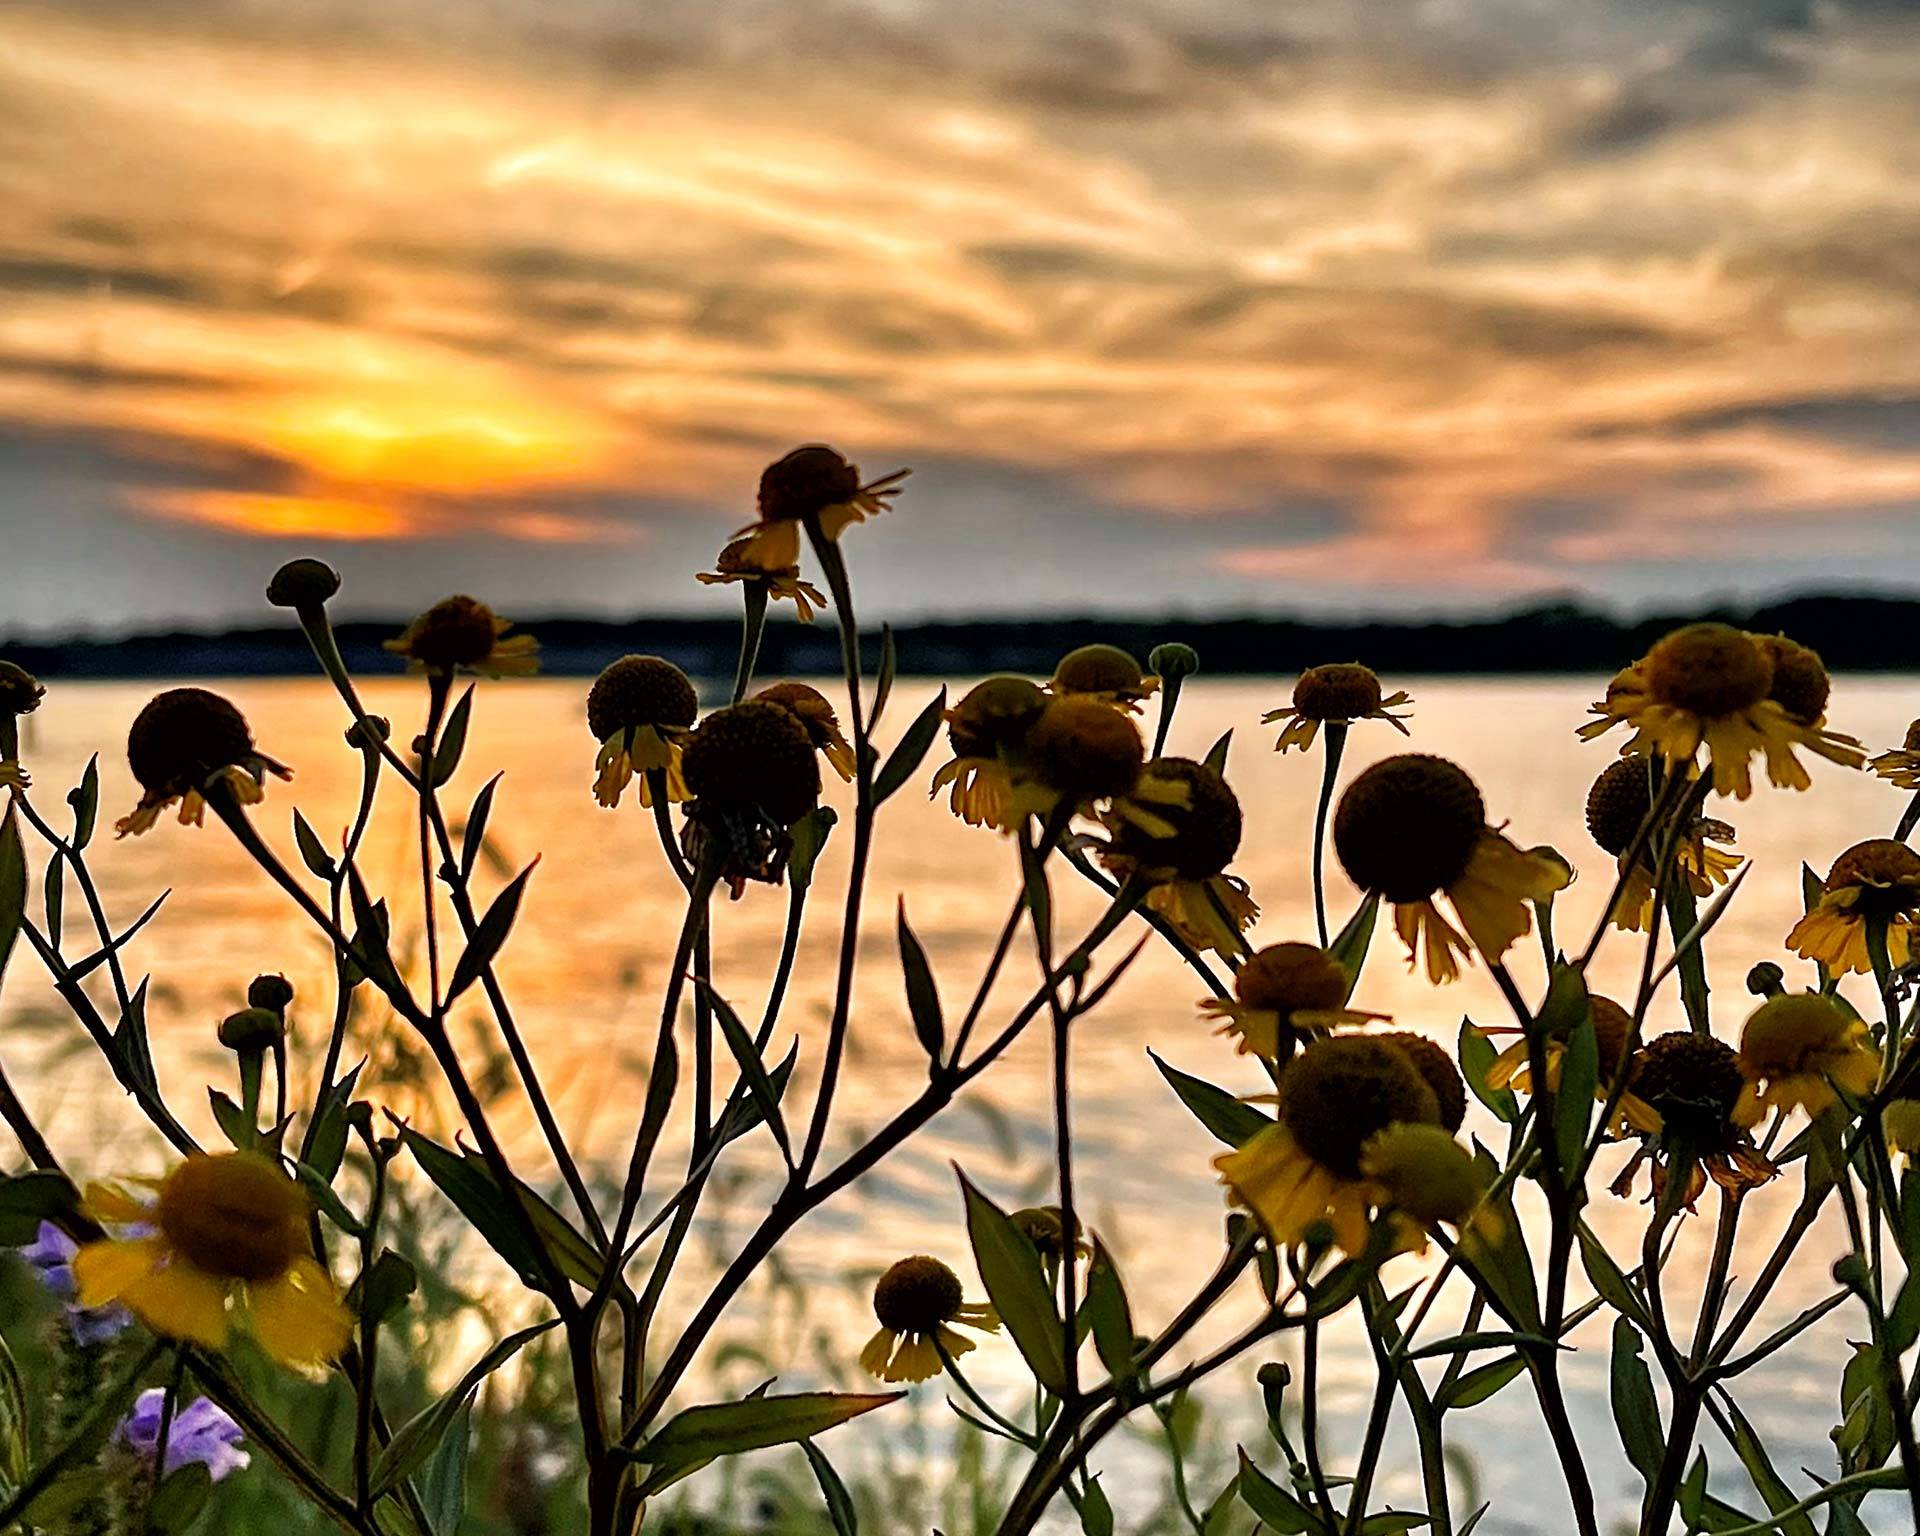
1288,978
916,1296
1436,1068
183,736
1341,1090
804,482
1800,683
1341,691
1886,872
1408,826
754,753
234,1215
20,691
1206,829
1708,670
640,690
1097,669
1694,1081
1085,750
457,631
994,714
1618,802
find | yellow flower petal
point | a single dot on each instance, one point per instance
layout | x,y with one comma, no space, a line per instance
181,1302
298,1319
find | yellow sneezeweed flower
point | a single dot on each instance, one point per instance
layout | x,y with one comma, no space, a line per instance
752,773
1282,993
737,563
1437,1071
1901,766
1900,1124
1304,1170
1337,694
1413,827
1048,1233
814,484
987,730
1875,880
20,694
917,1302
1617,804
180,744
1079,753
1800,683
460,634
1426,1177
222,1244
1699,1107
640,709
1104,673
815,711
1711,685
1801,1046
1177,830
1612,1029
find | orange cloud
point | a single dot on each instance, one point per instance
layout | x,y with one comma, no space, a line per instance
283,517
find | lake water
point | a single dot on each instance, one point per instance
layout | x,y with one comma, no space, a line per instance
596,933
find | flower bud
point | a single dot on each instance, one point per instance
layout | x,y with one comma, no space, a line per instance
304,583
271,992
251,1029
1766,979
1173,660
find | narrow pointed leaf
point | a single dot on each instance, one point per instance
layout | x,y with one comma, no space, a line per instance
420,1436
904,761
923,993
1017,1286
1219,1111
490,935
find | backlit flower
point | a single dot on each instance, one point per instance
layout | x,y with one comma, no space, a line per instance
1284,993
815,711
1426,1176
813,484
180,744
752,773
1612,1031
918,1301
1102,672
1699,1107
1801,1046
1800,683
1414,827
1177,830
222,1244
460,634
639,710
1901,766
1337,694
1045,1230
1078,752
1305,1169
1711,685
1617,803
20,691
737,563
1437,1070
1874,881
987,730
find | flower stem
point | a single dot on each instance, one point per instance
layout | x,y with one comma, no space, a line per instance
1336,737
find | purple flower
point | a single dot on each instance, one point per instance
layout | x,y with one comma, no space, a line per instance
201,1432
50,1256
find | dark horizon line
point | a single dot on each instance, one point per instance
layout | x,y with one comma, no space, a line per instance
1851,632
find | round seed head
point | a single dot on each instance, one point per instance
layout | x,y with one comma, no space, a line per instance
1408,826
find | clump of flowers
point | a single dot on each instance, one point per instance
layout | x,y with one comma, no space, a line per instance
737,562
1283,994
1801,1046
1179,838
1877,881
921,1307
640,709
1337,694
183,744
461,634
813,485
1414,827
1699,1107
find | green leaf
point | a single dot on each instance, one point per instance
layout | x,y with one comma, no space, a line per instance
323,1195
884,678
744,1114
13,884
1277,1509
472,1189
382,1293
1351,943
696,1436
443,1485
1609,1279
179,1500
808,836
1219,1111
1017,1286
56,892
753,1070
16,1423
420,1436
1216,757
1753,1456
27,1199
1111,1316
1477,1055
1573,1103
313,852
904,761
473,836
327,1142
1096,1514
490,935
1636,1412
453,740
580,1260
1473,1387
85,800
839,1502
923,993
241,1133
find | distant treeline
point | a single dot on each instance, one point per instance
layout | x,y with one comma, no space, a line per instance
1876,634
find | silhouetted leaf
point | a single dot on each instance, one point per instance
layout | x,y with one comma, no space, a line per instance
1017,1286
904,761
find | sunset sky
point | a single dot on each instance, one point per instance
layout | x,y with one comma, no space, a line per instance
1171,304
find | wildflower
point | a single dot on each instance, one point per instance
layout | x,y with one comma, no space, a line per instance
1617,804
273,992
1414,826
181,744
1425,1176
1874,881
1802,1046
1079,751
1104,673
1338,694
1699,1106
223,1242
917,1302
737,563
1711,685
1436,1068
1048,1234
20,691
813,484
1900,1124
1281,993
1176,831
815,711
50,1257
200,1434
459,634
1800,683
1305,1169
639,709
305,584
1612,1030
752,773
987,730
1901,766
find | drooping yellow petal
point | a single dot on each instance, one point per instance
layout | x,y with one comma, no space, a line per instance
916,1360
102,1272
297,1319
181,1302
879,1349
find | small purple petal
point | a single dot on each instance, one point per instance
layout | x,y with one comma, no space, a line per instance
50,1256
201,1432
